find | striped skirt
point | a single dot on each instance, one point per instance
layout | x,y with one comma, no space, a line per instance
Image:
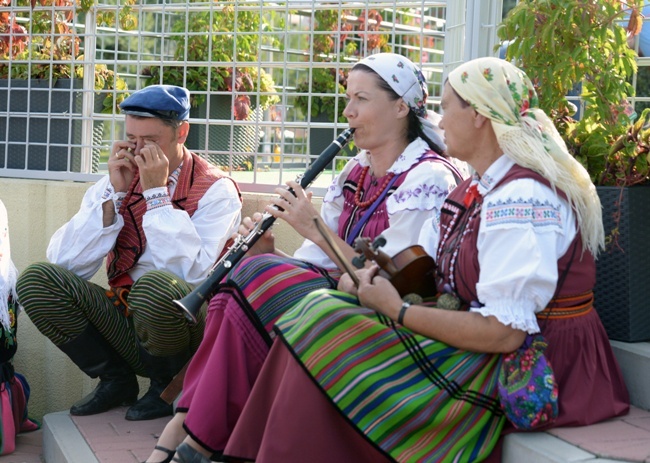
267,285
415,398
236,341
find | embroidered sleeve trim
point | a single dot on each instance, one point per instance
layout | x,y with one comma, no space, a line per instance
157,198
108,193
118,198
520,211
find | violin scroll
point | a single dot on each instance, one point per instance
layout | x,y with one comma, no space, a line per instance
411,271
369,251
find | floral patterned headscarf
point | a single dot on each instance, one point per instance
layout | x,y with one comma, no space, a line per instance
504,94
407,80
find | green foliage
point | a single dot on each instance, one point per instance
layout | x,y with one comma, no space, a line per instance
334,47
324,80
208,37
561,43
42,43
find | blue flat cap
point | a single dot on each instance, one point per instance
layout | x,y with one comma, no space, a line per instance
162,101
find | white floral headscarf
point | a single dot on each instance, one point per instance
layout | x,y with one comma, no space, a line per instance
504,94
407,80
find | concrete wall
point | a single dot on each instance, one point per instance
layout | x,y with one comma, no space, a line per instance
36,209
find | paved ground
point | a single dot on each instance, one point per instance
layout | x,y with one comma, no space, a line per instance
626,438
29,448
116,440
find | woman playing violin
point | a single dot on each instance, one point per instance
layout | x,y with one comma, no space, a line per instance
515,247
398,180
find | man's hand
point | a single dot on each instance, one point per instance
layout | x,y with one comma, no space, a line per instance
153,166
121,165
347,285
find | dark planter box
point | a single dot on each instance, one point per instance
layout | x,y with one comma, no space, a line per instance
245,140
47,135
622,293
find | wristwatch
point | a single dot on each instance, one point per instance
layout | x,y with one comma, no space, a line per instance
402,311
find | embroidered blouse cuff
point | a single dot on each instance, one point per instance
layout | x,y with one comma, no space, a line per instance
108,193
157,198
519,314
117,200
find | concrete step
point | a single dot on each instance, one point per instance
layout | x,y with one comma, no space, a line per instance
110,438
634,359
63,441
624,439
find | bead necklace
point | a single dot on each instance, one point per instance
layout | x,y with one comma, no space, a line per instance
452,238
378,192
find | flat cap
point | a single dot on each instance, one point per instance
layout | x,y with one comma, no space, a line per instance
162,101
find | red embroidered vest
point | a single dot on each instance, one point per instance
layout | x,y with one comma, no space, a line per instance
582,272
378,222
195,178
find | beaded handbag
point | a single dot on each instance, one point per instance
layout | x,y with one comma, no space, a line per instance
528,391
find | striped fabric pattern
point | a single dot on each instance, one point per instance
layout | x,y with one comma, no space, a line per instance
417,399
271,284
61,304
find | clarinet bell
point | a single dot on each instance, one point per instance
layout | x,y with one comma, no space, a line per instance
190,305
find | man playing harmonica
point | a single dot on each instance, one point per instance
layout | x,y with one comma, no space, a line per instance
160,218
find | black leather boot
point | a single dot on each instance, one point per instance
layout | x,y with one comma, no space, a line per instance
161,371
96,357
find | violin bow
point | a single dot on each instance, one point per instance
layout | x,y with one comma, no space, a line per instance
337,251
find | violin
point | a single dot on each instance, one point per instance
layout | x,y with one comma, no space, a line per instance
411,270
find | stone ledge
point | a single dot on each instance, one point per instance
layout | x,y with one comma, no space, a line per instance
634,359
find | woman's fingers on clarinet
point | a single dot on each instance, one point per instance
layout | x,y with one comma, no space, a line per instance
297,189
283,197
247,224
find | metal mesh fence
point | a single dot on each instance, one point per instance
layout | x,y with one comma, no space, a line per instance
267,80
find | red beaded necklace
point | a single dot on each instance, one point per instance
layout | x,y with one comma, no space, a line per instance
369,201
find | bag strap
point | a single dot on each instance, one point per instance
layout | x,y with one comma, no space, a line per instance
357,227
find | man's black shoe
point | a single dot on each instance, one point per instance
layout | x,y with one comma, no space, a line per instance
109,393
150,406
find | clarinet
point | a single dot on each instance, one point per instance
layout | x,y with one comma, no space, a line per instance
192,303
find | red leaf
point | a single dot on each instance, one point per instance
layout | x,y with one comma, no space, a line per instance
228,82
247,82
241,107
